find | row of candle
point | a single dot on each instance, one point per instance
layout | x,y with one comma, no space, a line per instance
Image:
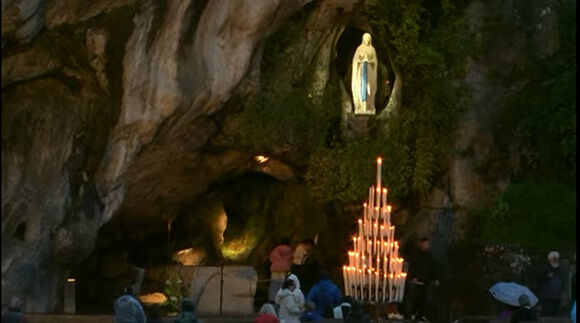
373,285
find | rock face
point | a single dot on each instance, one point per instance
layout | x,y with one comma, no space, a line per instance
123,111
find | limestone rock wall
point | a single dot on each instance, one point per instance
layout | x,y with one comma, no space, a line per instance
123,109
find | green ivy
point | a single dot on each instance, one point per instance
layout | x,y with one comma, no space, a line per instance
270,123
536,215
430,53
541,117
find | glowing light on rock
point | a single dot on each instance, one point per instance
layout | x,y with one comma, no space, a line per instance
153,298
261,159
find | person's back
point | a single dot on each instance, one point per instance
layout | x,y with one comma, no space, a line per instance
14,312
128,310
356,314
267,314
186,315
524,312
326,295
281,258
310,314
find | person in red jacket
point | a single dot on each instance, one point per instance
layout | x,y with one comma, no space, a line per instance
267,314
281,260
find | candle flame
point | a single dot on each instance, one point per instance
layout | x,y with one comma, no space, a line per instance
404,275
378,189
360,221
364,204
384,190
71,280
382,227
389,208
379,161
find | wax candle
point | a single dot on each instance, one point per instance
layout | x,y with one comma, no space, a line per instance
404,277
385,287
376,286
344,276
379,163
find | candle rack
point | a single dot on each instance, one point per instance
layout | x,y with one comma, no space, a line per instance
374,272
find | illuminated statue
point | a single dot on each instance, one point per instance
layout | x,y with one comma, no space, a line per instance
364,77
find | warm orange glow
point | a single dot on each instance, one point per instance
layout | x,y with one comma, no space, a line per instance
388,208
382,227
360,221
384,190
375,225
404,275
379,161
153,298
378,189
70,280
364,204
261,159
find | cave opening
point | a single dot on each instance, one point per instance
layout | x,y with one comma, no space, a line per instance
236,221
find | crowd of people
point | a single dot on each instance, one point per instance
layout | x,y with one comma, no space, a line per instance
295,273
301,291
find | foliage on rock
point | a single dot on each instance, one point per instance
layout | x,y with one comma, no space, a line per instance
430,47
536,215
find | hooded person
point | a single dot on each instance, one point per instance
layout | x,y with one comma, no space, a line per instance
14,312
128,309
298,294
356,314
267,314
341,310
290,311
524,311
310,314
326,295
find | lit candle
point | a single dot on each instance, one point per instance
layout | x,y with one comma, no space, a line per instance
403,278
384,287
379,162
361,281
376,286
384,197
345,278
360,227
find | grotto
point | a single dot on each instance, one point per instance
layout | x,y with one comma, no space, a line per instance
169,145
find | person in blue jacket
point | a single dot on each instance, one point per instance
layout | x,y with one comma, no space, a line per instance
573,313
326,295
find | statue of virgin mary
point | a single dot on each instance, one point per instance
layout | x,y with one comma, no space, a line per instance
364,77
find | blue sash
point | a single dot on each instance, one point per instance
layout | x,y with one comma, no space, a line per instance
363,82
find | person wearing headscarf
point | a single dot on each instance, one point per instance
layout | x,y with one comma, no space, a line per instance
551,282
524,312
267,314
